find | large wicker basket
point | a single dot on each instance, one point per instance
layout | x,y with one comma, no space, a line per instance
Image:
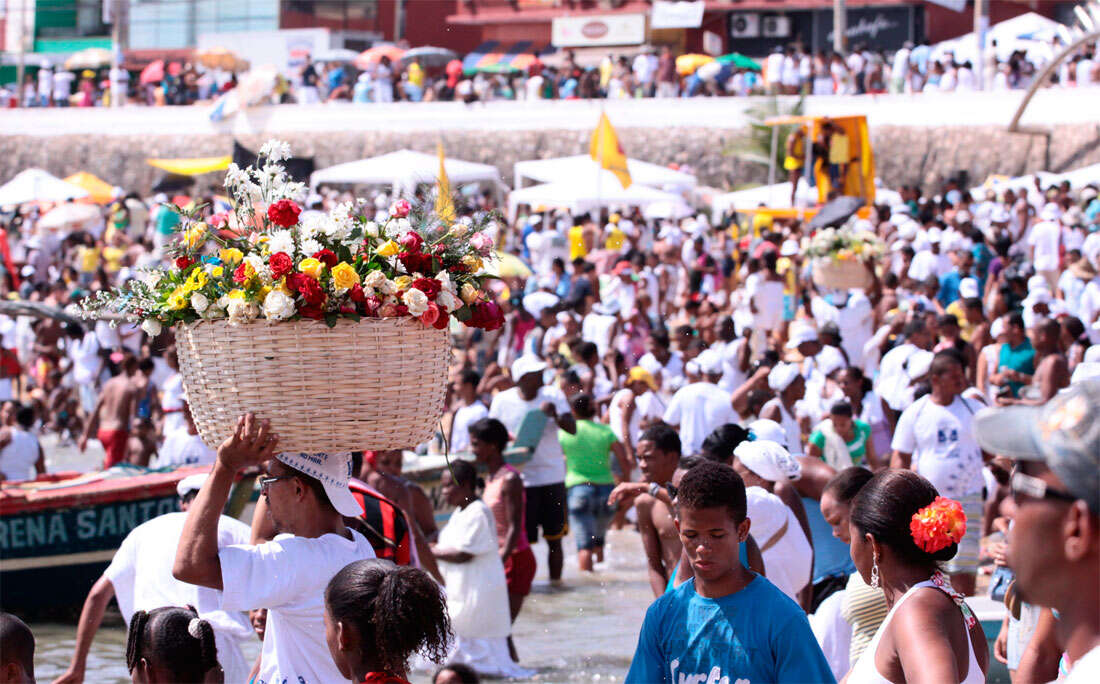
841,275
376,384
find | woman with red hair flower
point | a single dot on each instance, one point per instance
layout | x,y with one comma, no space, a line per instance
901,529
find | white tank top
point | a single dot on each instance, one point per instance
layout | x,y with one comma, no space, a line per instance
789,425
865,671
18,458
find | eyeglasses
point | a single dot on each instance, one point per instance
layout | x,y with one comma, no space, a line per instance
265,482
1035,488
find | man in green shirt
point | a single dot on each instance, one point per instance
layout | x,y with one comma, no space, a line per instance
1016,364
841,440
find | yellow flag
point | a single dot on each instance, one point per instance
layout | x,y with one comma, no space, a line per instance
444,204
606,150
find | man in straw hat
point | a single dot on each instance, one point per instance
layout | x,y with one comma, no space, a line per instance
307,498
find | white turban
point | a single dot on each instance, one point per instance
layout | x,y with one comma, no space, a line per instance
769,460
781,377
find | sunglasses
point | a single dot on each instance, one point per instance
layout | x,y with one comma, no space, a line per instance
1035,488
266,482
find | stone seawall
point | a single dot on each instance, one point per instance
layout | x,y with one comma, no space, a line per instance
903,154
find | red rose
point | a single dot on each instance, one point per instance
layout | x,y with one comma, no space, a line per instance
411,241
183,262
347,308
240,274
429,286
294,281
415,262
443,321
401,310
356,294
281,264
326,257
284,213
486,316
311,291
311,311
430,316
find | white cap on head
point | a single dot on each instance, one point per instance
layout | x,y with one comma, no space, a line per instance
997,328
800,335
1037,282
191,483
919,363
899,245
782,375
1050,212
710,362
934,235
763,428
968,288
692,368
907,230
769,460
527,364
333,472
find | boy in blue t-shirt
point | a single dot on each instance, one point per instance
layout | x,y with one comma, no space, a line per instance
728,624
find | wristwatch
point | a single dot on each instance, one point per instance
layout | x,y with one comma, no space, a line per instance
654,489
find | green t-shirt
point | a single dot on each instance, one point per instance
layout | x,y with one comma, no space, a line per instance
588,453
1020,359
857,448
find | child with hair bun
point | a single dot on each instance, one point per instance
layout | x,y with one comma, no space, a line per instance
171,645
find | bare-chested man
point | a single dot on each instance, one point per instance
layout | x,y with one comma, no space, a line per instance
110,420
1051,367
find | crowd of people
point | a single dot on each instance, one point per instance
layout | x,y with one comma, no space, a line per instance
653,72
817,474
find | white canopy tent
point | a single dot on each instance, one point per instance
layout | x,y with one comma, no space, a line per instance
36,185
1030,32
405,169
580,196
567,169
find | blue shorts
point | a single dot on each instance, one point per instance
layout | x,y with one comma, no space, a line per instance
589,514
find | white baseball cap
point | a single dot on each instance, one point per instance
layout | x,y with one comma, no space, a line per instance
781,377
968,287
527,364
710,362
769,430
333,472
770,460
801,334
191,483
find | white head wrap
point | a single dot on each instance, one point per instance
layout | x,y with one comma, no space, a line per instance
781,377
769,460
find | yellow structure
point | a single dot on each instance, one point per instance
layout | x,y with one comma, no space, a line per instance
859,177
99,191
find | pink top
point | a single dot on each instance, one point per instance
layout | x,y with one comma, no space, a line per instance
493,496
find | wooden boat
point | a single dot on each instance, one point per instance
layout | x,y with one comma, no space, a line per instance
59,532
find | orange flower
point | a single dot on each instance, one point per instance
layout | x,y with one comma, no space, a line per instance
938,525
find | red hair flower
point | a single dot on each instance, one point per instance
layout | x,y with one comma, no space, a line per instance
284,213
938,525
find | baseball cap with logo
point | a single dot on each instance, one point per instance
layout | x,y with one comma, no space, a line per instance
333,472
1064,433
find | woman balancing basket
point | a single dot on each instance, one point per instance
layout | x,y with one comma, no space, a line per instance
839,255
333,326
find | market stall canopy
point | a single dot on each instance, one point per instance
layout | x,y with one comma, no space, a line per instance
429,56
583,166
403,170
153,73
1032,33
191,167
338,55
89,58
581,195
368,58
69,214
99,191
36,185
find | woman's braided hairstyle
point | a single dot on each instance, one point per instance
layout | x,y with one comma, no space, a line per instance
175,639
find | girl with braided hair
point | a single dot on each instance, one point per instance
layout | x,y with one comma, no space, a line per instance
377,615
171,645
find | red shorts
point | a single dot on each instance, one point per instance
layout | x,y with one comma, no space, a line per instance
519,571
114,443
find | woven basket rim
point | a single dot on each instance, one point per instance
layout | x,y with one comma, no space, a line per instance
267,321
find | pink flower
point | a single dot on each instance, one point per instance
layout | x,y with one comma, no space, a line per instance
400,208
219,220
430,316
482,243
411,241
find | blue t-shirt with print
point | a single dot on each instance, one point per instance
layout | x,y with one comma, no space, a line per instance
755,635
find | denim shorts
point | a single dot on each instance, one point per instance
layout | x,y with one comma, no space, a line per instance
589,514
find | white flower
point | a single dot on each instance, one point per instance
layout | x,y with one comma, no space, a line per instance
416,300
281,241
214,313
387,287
275,150
311,247
152,327
151,278
311,223
375,280
370,229
241,311
278,306
445,282
259,266
448,301
199,302
398,227
340,222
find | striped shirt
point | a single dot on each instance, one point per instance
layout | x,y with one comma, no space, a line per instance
864,609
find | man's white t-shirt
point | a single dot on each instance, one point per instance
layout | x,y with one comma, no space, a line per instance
86,360
141,574
463,419
789,559
547,464
699,409
767,297
671,373
645,406
171,402
63,85
596,329
182,448
288,576
1044,239
1086,669
941,440
732,375
854,320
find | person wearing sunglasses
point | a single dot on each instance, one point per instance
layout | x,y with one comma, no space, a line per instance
1054,542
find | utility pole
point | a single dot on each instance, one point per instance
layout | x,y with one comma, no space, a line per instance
21,67
398,20
981,26
840,27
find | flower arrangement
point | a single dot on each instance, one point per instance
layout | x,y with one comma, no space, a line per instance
282,264
845,244
938,525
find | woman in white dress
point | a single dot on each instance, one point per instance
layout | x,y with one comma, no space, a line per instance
477,593
901,529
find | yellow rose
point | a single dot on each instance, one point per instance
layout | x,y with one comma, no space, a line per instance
231,256
402,282
472,262
389,248
311,267
217,271
195,235
178,300
237,294
344,276
469,293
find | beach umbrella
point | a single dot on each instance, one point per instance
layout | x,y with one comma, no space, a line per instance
499,68
175,68
99,191
507,265
739,61
153,73
89,58
687,64
429,56
36,185
172,182
454,68
339,55
836,212
368,58
68,214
